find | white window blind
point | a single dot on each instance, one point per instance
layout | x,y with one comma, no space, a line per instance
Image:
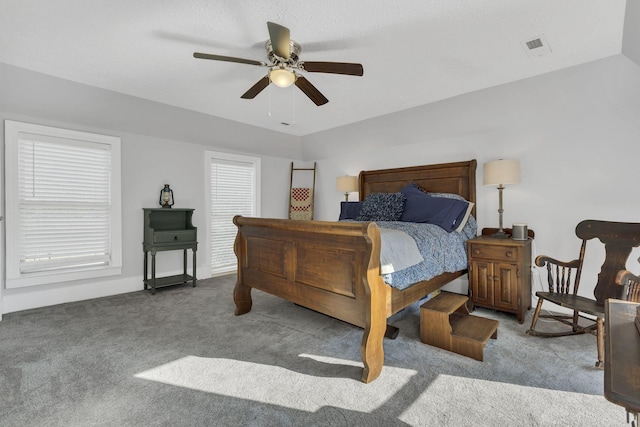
64,204
233,192
65,215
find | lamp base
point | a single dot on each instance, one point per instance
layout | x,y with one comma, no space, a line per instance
500,234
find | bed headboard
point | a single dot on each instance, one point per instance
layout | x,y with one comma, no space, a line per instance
458,178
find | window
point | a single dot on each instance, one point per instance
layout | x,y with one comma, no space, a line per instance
234,190
63,205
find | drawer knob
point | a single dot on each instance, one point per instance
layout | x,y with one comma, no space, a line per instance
175,237
508,253
476,251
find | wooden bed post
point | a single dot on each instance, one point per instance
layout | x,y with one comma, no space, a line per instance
241,293
371,348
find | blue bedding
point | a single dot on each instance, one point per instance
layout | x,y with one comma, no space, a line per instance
443,252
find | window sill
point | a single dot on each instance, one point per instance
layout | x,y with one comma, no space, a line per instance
36,279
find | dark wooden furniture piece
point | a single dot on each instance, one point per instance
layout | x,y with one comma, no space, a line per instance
622,357
631,285
500,273
168,229
619,239
334,267
446,323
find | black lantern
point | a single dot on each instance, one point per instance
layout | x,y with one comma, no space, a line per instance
166,197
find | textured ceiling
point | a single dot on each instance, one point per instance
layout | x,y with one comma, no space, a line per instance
414,52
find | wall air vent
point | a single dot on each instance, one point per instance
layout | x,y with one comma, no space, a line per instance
536,46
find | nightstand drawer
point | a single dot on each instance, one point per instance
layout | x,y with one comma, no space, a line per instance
493,252
174,236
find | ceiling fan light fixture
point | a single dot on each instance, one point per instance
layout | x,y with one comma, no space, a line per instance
282,77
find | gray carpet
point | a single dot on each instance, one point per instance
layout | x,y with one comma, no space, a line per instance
181,358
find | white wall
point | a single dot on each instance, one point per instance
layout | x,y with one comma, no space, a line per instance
576,133
45,97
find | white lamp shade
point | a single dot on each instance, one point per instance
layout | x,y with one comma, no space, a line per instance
282,77
501,172
347,184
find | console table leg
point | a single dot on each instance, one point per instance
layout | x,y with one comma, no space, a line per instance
194,267
153,272
146,260
184,262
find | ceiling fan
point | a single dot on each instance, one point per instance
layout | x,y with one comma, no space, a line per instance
285,67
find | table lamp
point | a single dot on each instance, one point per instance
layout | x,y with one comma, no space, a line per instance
347,184
501,172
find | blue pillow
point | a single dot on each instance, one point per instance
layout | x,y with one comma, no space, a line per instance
448,213
350,210
382,207
457,197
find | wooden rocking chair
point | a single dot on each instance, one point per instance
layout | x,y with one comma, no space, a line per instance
619,239
631,285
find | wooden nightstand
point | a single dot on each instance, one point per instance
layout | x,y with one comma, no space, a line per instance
500,274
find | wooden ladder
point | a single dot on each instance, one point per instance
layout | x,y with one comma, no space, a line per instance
446,323
302,212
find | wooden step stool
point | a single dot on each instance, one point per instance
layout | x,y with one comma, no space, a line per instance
445,322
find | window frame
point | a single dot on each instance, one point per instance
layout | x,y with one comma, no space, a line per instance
209,158
16,279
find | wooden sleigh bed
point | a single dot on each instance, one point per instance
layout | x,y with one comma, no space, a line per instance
334,267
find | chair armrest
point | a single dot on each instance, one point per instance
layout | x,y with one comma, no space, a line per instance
542,260
631,284
624,277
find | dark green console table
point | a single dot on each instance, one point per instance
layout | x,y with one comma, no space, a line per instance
168,229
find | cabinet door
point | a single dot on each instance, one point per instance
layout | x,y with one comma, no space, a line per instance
481,282
505,286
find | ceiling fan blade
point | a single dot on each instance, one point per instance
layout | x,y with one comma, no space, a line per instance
348,68
280,39
256,88
228,59
311,91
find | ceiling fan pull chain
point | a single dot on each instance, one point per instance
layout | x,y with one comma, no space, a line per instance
293,107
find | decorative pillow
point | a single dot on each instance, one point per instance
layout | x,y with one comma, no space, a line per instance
448,213
350,210
463,222
382,207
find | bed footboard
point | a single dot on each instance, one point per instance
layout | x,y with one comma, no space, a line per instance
329,267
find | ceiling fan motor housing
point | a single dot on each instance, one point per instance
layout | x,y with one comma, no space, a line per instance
294,53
